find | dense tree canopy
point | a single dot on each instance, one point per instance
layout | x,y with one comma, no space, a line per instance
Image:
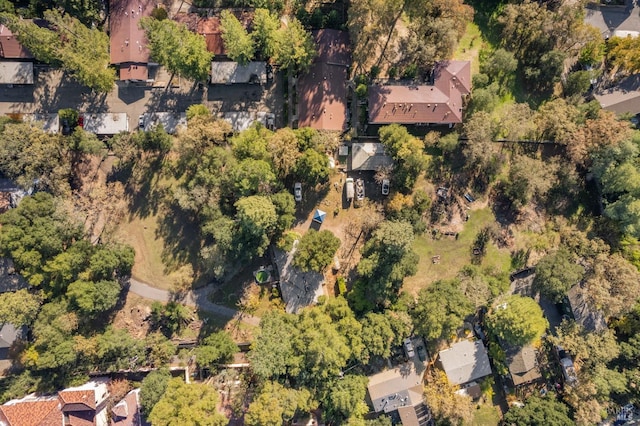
517,320
539,411
172,44
182,403
408,153
440,310
387,260
316,250
237,42
82,51
556,273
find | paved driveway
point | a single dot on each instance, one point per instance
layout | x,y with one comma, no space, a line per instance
197,298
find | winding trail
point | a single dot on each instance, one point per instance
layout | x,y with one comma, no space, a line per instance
195,298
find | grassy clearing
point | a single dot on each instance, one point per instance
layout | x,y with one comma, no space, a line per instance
470,46
142,234
486,415
454,254
163,242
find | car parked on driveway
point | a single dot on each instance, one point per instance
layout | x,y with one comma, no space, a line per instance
297,191
141,122
359,190
385,187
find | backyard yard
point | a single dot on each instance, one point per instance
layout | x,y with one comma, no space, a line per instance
455,252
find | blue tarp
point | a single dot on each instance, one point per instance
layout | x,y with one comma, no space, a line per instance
319,216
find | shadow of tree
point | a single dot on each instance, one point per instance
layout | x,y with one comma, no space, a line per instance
181,237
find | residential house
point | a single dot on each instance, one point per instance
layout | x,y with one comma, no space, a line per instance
439,103
623,98
50,122
322,90
18,73
128,43
299,289
401,389
84,405
613,21
369,156
128,411
229,72
106,123
465,362
585,315
242,120
170,121
32,410
523,365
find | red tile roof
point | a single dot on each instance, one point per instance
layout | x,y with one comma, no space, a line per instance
43,412
322,91
128,42
440,103
10,47
133,72
209,27
78,398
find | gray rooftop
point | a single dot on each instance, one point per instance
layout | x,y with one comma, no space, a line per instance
397,387
232,72
50,122
171,121
299,289
16,72
622,98
369,156
591,319
465,361
106,123
10,280
613,19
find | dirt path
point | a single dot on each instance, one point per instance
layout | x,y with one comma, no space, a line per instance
196,298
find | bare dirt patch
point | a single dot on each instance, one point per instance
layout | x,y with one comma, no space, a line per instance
134,315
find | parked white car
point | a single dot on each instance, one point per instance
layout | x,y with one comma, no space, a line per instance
297,191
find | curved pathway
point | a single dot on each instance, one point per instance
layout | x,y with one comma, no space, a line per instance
195,298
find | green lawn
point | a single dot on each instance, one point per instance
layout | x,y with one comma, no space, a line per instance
486,415
454,254
162,240
469,47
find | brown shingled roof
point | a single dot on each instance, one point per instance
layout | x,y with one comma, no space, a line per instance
45,412
128,42
440,103
322,91
10,47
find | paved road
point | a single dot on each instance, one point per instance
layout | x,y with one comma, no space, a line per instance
197,298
